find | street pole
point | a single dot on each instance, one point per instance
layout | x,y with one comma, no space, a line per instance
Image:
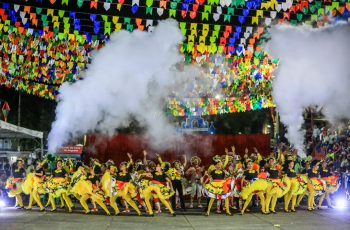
42,147
19,118
19,108
277,127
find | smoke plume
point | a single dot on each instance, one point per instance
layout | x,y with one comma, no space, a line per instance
314,70
130,76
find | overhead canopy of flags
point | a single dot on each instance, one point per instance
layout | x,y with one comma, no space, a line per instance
44,43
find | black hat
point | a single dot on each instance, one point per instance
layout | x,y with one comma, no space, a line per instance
314,163
262,163
287,162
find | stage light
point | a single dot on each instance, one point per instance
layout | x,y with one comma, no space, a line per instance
2,204
341,203
218,96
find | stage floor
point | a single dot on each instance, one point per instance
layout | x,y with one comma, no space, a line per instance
11,219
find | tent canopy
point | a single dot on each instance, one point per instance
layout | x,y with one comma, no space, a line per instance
8,130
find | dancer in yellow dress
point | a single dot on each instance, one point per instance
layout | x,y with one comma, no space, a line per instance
93,177
14,183
248,177
280,186
314,186
158,188
126,188
33,185
219,186
332,184
59,185
298,185
82,186
108,186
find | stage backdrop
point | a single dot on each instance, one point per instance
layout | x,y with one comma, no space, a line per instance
204,146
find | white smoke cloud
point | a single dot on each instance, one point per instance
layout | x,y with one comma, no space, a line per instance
131,75
314,70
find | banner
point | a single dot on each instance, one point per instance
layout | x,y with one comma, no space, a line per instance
77,150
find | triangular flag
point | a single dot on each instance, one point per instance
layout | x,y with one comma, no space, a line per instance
80,3
107,6
16,7
216,16
160,11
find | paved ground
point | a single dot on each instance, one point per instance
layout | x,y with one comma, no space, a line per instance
12,219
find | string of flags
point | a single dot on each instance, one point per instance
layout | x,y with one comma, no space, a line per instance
44,43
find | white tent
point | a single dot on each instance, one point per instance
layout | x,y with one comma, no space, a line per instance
11,131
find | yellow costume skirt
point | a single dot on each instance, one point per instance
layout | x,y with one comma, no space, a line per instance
81,187
279,187
108,185
332,184
125,188
298,185
57,186
33,183
254,186
28,183
164,190
319,186
219,189
14,185
85,187
143,184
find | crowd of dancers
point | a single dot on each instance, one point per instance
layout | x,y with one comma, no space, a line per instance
144,185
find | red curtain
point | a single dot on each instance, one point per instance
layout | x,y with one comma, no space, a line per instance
204,146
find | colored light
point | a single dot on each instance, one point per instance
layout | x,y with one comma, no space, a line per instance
341,203
2,204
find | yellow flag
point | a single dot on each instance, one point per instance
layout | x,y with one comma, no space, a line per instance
194,33
255,20
115,19
205,32
264,5
71,36
193,26
49,12
205,27
273,4
118,26
259,13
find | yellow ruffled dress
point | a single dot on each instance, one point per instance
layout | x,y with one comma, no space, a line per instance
14,185
219,187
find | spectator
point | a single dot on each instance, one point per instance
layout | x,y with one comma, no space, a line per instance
7,168
316,134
